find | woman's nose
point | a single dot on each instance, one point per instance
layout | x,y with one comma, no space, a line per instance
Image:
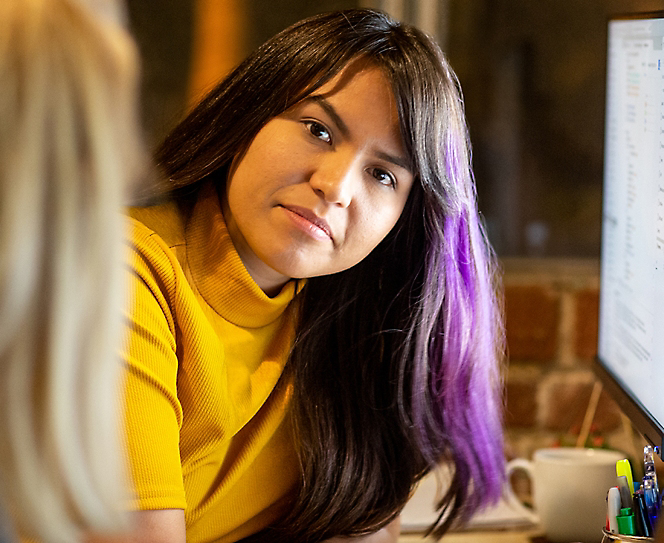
335,179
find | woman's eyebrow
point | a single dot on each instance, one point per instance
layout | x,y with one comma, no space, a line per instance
396,160
329,109
343,128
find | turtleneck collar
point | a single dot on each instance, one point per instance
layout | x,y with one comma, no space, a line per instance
218,271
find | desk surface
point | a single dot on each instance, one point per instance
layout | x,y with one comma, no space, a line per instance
523,536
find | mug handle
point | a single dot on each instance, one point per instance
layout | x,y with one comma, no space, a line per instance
510,496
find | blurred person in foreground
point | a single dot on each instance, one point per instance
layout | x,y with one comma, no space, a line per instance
69,148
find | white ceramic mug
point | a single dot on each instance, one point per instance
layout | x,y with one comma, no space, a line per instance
569,491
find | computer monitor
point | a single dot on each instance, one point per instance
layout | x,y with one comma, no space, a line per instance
630,358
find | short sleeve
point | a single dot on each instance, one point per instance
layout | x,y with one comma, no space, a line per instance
153,414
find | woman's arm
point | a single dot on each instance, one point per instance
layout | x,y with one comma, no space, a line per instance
162,526
389,534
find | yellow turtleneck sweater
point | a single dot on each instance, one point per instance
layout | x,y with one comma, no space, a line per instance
205,409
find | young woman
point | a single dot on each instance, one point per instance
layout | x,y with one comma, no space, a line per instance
314,324
69,150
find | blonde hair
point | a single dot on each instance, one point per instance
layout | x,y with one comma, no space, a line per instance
69,145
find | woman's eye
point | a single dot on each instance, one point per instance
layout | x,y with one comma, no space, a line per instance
383,177
318,131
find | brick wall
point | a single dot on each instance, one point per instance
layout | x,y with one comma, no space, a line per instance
551,310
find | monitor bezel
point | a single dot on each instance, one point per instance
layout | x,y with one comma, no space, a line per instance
638,414
657,14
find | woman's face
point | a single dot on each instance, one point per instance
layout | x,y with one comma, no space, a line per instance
321,184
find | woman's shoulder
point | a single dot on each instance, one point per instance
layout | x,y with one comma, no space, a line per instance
156,241
163,220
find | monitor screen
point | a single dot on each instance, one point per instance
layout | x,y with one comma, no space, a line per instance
631,325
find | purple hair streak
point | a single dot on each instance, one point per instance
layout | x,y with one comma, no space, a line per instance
458,368
459,350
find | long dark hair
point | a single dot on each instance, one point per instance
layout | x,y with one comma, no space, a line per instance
396,360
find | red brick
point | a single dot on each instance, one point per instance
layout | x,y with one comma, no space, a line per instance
607,416
586,317
531,319
567,407
521,404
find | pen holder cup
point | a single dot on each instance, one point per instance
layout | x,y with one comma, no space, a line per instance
608,537
569,491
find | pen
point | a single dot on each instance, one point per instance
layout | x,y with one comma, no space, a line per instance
643,527
625,494
651,501
649,465
623,468
651,494
651,473
626,521
613,509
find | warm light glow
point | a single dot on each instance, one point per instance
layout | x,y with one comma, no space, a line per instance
219,44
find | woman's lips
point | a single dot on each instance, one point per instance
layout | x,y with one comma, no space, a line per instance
308,221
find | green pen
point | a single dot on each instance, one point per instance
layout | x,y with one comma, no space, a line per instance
626,521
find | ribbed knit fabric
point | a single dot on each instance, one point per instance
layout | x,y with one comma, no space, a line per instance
205,406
